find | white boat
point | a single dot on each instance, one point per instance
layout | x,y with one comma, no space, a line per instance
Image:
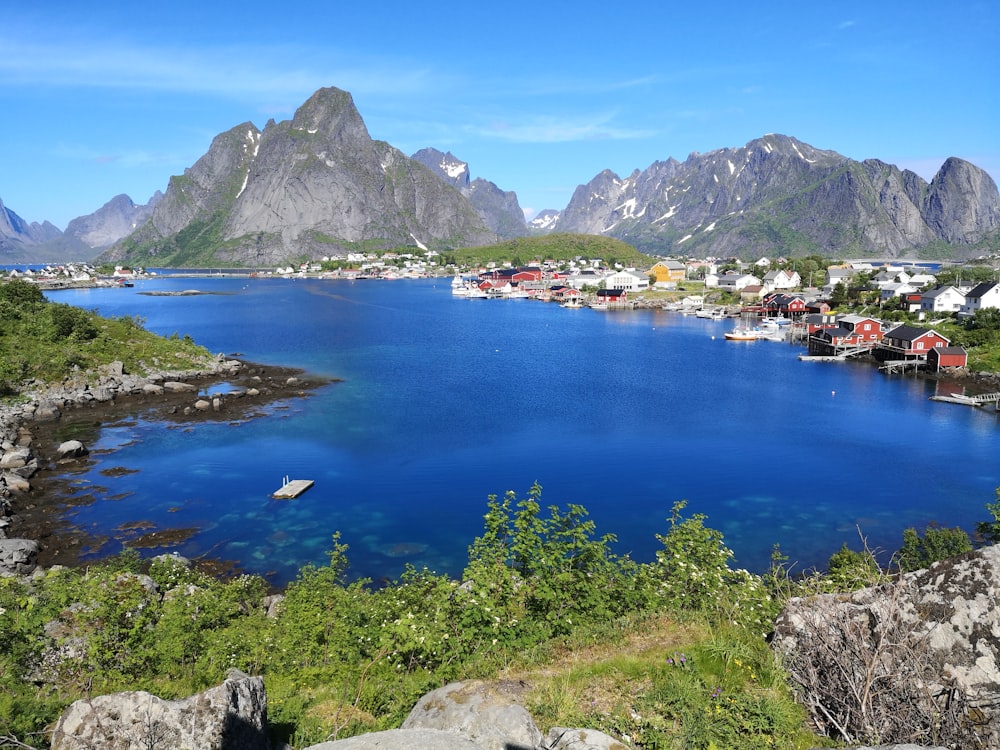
712,313
746,332
741,334
573,303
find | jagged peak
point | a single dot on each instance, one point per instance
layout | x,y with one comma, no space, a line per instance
446,162
954,165
330,111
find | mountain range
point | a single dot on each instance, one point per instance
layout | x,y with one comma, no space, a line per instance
318,185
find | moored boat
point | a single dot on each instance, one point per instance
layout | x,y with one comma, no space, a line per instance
741,334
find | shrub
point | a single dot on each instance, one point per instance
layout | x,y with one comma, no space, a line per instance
848,570
936,544
692,569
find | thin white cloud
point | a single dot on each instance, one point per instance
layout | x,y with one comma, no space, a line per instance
130,159
560,130
224,71
845,25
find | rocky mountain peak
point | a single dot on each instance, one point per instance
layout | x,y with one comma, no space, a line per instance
778,195
330,112
447,166
499,209
116,219
962,204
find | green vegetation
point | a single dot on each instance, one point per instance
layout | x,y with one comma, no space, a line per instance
50,341
558,247
670,653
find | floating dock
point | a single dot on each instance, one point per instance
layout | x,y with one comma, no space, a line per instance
292,488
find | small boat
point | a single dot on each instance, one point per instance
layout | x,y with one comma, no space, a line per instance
573,303
741,334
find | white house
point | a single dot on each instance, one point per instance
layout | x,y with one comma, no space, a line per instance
587,277
629,280
981,296
733,281
836,275
942,299
896,290
776,280
921,279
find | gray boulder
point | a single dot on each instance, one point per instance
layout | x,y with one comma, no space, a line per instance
15,458
402,739
175,386
17,556
231,716
561,738
488,713
71,449
14,482
915,660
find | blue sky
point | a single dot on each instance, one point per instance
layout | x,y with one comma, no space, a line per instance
98,99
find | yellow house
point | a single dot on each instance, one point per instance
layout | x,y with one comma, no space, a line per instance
668,270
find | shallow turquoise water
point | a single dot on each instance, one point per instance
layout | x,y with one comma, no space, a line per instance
447,400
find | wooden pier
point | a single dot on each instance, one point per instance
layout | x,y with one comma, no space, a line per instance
902,365
980,400
292,488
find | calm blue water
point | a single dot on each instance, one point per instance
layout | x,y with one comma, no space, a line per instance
446,400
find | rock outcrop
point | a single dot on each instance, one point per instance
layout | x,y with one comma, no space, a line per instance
489,714
17,556
915,660
315,185
475,715
231,716
402,739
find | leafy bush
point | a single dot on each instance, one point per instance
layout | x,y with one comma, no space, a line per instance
692,569
849,570
936,544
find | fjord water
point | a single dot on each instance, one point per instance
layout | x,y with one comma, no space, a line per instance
445,400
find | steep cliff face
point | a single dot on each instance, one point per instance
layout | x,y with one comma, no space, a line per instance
499,209
18,238
777,195
116,219
961,204
312,186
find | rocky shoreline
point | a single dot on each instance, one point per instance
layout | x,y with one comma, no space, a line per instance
43,437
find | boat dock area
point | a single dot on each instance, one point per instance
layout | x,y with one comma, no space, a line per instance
980,400
292,488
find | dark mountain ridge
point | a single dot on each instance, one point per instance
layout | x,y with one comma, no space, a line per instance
777,195
318,185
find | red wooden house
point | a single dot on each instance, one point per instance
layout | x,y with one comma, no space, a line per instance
528,274
785,305
862,328
611,297
941,357
816,322
906,342
561,292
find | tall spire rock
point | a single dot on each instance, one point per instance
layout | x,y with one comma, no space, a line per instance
311,186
